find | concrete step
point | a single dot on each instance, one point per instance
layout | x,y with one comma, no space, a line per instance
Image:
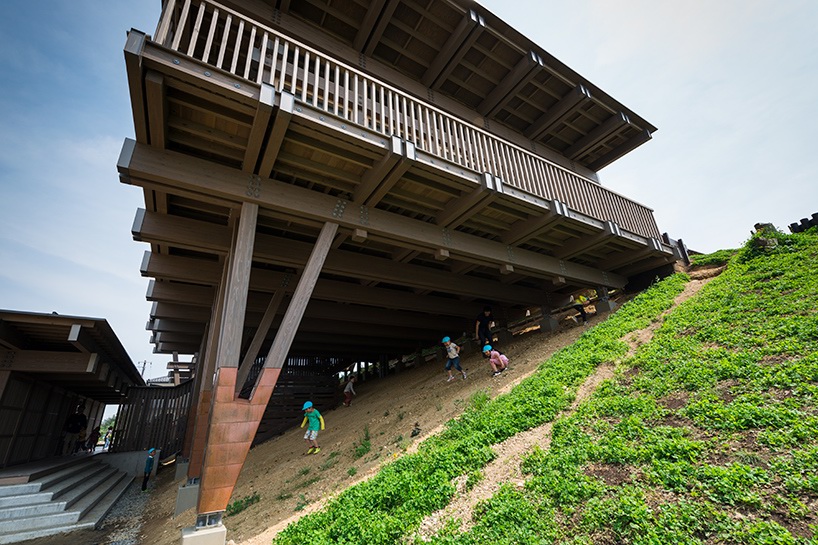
86,487
52,479
95,510
73,480
32,510
26,499
19,489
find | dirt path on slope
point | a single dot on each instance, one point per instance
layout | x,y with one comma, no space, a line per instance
506,466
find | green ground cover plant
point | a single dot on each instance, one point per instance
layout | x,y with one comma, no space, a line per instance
708,434
235,507
391,505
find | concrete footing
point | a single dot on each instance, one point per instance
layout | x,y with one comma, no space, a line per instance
549,324
181,469
604,306
186,498
211,535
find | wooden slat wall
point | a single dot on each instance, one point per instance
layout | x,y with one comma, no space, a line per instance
153,417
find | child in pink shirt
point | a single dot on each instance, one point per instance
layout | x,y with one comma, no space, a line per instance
498,361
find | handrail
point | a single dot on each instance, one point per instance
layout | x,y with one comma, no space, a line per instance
219,36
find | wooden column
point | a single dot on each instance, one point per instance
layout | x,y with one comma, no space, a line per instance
258,338
234,421
224,337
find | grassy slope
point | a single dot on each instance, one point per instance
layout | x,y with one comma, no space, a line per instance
709,434
394,502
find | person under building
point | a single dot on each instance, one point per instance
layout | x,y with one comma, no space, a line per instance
482,326
349,391
314,422
75,425
579,306
497,360
452,358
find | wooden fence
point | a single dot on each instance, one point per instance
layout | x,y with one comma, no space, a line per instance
153,417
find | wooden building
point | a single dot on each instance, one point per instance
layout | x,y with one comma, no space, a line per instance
396,164
50,364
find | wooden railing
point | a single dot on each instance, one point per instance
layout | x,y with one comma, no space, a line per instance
221,37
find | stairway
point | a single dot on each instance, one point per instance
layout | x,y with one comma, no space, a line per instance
70,496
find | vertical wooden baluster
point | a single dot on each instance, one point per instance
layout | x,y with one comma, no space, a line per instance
249,56
211,34
306,79
164,23
383,112
326,85
273,63
294,76
181,26
337,88
191,48
284,63
237,47
262,60
225,37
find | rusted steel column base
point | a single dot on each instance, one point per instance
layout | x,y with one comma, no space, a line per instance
200,435
233,425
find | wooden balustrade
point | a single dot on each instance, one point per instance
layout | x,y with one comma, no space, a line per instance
221,37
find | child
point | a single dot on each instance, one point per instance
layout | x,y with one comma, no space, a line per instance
148,468
452,358
316,422
91,444
349,391
498,361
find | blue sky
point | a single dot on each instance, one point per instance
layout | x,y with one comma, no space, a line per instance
730,84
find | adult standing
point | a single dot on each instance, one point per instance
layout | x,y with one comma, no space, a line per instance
74,425
482,326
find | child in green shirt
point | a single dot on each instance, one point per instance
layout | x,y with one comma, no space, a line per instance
314,422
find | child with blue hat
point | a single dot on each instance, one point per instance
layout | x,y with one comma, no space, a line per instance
314,422
452,358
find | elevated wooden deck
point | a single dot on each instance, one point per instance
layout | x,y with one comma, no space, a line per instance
437,215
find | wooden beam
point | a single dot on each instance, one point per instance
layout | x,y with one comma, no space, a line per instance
157,108
266,100
258,338
510,85
457,45
284,114
610,231
303,292
372,13
377,182
460,209
138,162
610,126
79,337
555,115
238,286
292,253
134,46
523,230
49,361
11,337
653,247
383,21
626,147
